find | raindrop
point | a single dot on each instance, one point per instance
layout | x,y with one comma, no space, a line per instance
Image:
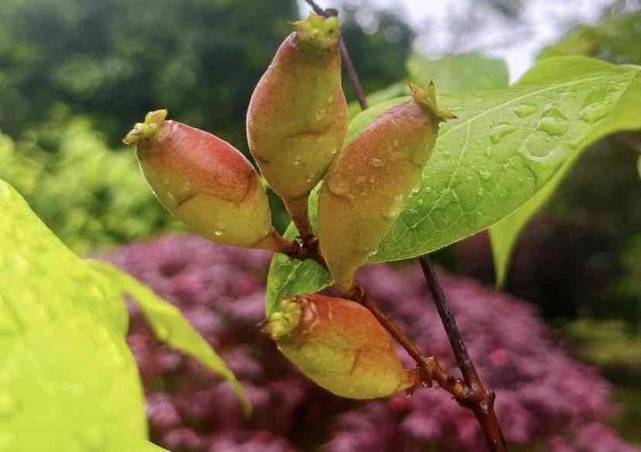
375,162
339,188
395,208
553,123
594,112
524,110
500,131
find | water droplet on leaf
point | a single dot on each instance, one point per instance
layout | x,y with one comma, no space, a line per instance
553,123
524,110
500,131
592,113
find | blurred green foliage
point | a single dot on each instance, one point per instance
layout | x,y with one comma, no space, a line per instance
114,60
89,195
615,38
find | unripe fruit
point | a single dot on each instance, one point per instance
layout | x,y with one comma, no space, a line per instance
204,181
297,117
340,346
368,184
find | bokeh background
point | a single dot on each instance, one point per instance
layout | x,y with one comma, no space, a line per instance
74,76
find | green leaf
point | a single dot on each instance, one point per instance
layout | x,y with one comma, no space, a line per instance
459,73
169,325
506,146
67,378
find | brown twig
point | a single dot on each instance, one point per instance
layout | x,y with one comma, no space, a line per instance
479,400
468,392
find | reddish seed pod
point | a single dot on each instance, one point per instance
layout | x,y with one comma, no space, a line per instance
369,182
339,345
297,117
204,181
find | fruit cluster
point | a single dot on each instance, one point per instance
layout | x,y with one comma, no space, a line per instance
296,128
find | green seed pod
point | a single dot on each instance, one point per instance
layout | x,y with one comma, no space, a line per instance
204,181
340,346
369,182
297,117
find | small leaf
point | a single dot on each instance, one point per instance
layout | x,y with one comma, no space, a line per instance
170,326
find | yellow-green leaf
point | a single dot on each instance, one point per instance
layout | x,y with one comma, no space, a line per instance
169,325
67,378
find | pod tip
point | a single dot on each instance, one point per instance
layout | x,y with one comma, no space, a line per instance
144,130
426,98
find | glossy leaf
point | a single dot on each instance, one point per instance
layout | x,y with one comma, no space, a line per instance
506,146
67,377
169,325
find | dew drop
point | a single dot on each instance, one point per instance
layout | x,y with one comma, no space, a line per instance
339,188
394,210
485,174
480,192
375,162
500,131
592,113
524,110
553,123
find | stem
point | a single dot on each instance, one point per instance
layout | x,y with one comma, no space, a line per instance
469,393
479,400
